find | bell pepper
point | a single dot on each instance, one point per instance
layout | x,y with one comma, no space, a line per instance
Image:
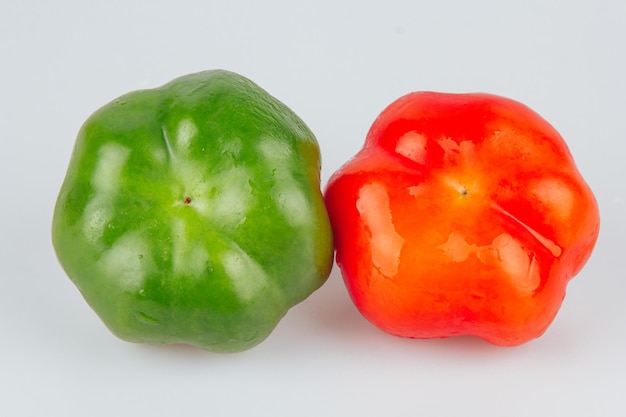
192,213
463,214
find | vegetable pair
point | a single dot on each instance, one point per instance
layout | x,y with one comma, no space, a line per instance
192,213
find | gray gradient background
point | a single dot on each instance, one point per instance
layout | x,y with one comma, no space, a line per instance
337,64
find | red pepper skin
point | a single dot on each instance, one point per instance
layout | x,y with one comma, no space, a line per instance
463,214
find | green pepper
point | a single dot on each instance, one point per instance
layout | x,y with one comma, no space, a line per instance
192,213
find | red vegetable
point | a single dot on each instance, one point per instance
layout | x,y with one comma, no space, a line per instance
463,214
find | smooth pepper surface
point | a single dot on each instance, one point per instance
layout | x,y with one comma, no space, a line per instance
192,213
463,214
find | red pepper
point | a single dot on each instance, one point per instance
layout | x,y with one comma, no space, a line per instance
463,214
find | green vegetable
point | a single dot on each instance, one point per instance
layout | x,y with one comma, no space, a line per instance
192,213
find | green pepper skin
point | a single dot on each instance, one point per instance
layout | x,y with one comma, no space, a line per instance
192,213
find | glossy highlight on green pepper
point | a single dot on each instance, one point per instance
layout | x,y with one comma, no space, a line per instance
192,213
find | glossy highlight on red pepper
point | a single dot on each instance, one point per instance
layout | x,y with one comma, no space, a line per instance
463,214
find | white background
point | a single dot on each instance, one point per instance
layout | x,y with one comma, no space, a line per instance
337,64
